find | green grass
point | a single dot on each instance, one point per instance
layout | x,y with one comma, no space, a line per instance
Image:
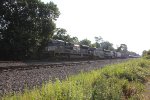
113,82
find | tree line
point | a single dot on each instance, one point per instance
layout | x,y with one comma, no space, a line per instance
61,34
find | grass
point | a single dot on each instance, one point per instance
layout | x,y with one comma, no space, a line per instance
113,82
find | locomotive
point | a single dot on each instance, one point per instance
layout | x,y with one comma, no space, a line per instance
62,49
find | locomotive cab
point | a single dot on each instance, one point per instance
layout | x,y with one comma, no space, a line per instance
99,53
84,50
108,54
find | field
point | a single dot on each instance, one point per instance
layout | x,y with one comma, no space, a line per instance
114,82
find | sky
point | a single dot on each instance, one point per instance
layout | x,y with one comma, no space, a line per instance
117,21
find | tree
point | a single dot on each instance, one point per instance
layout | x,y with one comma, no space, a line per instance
106,45
98,40
25,27
85,42
93,45
75,40
122,48
146,54
61,34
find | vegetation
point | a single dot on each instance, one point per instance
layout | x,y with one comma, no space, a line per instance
25,27
61,34
99,43
106,45
85,42
123,48
146,54
113,82
98,40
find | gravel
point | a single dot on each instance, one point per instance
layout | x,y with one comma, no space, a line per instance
18,80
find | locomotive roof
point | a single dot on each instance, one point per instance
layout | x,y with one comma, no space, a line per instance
76,45
84,45
57,41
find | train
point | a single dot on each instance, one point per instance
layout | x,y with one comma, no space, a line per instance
66,50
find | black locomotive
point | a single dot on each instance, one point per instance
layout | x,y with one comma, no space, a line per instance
62,49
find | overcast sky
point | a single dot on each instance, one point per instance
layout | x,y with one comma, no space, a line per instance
117,21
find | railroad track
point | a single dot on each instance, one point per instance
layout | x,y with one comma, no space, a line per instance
10,65
16,76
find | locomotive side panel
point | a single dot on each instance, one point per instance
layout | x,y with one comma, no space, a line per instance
59,48
108,54
99,53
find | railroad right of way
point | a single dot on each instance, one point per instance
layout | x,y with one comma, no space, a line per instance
17,80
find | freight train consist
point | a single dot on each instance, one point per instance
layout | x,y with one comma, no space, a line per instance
62,49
